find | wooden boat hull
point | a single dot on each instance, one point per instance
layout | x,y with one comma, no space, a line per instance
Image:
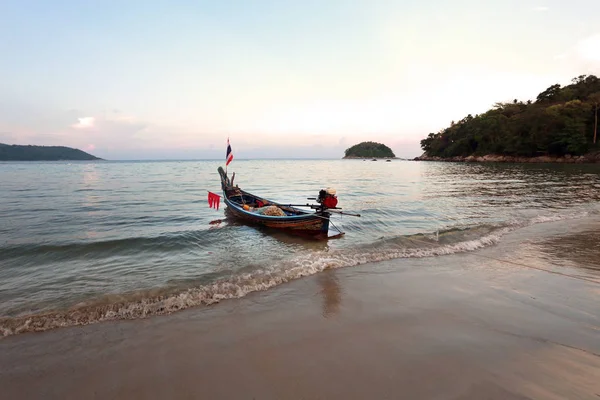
307,224
296,220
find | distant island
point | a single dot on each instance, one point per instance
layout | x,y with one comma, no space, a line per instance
369,150
42,153
561,125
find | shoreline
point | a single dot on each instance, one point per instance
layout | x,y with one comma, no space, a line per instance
464,326
592,158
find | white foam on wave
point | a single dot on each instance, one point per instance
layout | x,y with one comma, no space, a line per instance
540,219
261,279
234,287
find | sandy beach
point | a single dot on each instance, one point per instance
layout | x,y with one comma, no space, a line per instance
467,328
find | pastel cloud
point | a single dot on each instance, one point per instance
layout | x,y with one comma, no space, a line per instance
540,8
84,123
101,134
589,48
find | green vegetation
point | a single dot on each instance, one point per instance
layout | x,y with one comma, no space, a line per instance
41,153
369,150
562,120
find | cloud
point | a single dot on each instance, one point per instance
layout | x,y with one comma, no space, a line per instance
582,57
84,123
540,8
589,48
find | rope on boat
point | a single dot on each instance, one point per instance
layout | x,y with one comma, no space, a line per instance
336,228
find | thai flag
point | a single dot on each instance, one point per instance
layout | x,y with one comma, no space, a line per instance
229,156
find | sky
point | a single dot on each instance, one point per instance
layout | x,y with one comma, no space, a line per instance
281,79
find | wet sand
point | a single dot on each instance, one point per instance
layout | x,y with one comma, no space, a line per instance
453,327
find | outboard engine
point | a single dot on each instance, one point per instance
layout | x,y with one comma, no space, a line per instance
327,198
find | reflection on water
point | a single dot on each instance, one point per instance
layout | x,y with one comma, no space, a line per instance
580,250
331,292
78,231
487,191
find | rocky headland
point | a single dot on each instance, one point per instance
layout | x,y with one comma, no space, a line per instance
567,159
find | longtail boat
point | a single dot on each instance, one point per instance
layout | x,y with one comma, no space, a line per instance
260,211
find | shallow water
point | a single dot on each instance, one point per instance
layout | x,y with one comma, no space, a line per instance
90,241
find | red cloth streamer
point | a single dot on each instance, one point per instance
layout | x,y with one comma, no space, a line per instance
213,200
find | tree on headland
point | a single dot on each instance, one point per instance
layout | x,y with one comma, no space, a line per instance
549,94
595,98
562,120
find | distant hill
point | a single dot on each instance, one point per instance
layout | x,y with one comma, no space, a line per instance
369,150
42,153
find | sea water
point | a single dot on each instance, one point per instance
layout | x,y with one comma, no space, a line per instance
82,242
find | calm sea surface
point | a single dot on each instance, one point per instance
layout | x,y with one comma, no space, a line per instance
82,242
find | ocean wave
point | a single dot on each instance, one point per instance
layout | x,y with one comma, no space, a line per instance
165,242
148,303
